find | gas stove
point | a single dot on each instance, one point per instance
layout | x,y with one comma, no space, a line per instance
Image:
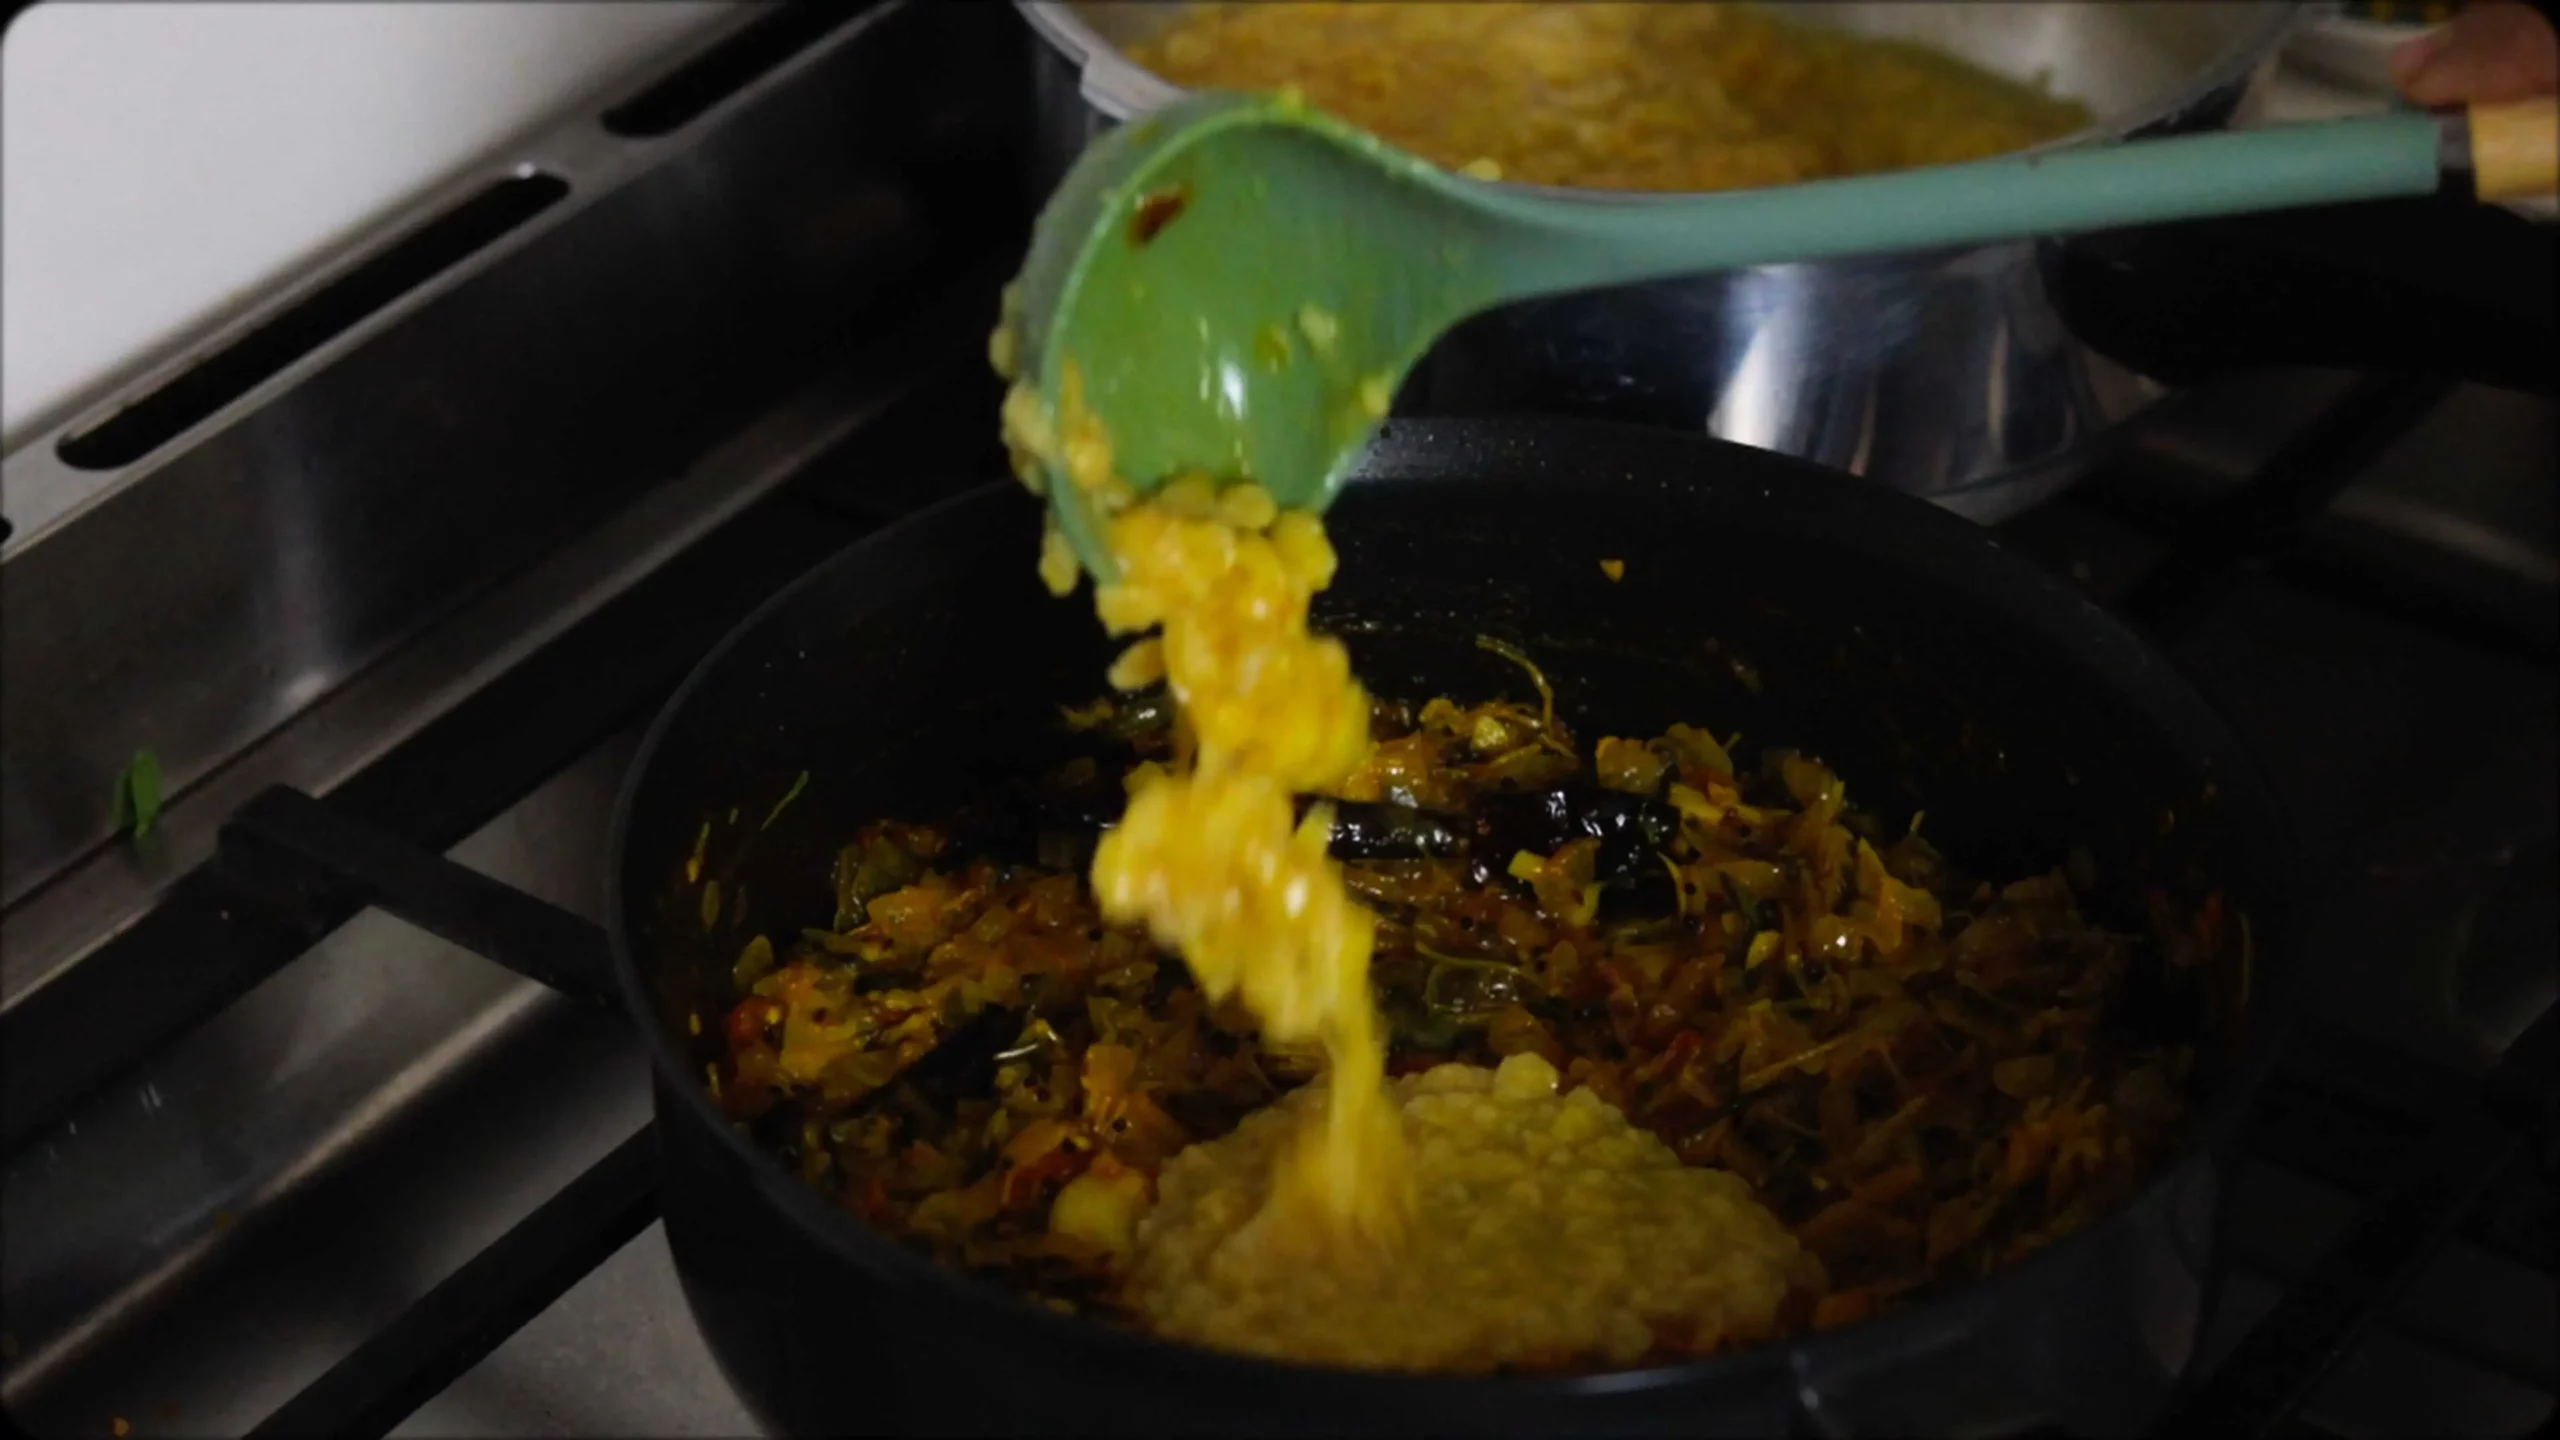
263,1182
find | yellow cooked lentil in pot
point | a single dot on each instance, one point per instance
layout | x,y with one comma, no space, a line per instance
1680,97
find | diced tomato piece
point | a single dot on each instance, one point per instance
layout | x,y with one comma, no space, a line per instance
748,1020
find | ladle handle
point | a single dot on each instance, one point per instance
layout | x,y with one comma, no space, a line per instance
1564,245
2515,148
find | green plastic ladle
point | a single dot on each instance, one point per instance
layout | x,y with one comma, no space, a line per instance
1241,282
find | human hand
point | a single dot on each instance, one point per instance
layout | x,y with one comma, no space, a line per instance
2493,51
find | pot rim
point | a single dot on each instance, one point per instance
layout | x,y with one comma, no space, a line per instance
1117,87
1796,1363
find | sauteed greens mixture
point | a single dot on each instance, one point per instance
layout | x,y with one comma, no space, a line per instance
1874,1072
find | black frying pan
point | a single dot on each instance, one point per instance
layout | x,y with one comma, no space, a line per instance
1760,594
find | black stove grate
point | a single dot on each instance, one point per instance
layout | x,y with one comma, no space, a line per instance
2266,1380
455,1326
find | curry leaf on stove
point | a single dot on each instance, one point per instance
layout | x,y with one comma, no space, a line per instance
138,795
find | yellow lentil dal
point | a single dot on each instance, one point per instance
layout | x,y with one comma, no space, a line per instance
1564,1233
1681,97
1214,861
1210,856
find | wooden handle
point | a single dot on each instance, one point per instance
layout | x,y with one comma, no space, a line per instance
2515,148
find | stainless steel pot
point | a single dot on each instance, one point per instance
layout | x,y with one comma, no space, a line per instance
1945,374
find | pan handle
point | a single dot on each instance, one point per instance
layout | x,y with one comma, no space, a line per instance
2436,285
295,856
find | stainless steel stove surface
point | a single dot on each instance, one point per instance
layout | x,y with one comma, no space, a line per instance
365,1178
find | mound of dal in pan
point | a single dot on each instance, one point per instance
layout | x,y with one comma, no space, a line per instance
1681,97
1562,1235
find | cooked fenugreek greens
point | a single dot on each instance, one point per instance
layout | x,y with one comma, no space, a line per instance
1859,1072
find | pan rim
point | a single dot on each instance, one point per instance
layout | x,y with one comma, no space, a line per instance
1401,454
